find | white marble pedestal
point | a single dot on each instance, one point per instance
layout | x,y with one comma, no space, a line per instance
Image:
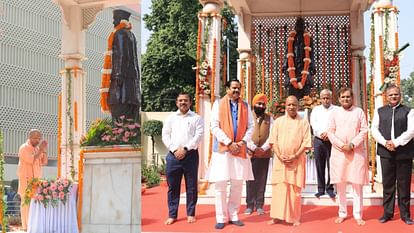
111,190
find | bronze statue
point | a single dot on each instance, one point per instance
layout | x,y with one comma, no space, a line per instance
299,64
124,92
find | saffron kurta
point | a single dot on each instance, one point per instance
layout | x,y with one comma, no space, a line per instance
345,127
27,169
288,136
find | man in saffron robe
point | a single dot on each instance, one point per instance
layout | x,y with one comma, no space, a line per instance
232,126
289,138
32,156
347,129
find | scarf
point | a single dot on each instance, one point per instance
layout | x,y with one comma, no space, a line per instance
226,124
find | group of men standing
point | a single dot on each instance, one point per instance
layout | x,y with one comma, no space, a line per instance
243,142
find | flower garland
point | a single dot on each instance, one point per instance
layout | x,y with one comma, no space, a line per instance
59,136
107,67
70,119
291,61
204,68
3,204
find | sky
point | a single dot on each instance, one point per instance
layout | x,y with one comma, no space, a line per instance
405,34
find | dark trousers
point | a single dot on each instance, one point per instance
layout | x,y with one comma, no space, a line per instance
175,171
396,173
322,151
255,189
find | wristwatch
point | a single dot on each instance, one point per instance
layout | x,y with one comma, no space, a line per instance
351,145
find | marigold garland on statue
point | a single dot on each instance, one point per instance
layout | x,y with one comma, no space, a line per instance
107,67
291,61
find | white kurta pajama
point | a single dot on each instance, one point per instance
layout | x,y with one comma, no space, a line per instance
225,167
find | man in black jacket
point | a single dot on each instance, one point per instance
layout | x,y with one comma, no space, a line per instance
124,92
393,129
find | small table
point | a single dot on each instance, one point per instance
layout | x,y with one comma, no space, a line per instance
61,218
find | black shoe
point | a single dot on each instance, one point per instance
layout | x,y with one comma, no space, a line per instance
408,221
384,219
237,223
331,194
219,225
318,194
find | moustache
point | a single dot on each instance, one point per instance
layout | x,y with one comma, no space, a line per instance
236,92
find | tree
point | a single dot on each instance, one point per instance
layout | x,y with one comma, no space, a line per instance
171,52
407,89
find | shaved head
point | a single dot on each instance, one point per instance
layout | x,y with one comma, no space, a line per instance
292,106
292,98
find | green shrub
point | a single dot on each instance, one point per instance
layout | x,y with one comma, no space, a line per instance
150,175
151,129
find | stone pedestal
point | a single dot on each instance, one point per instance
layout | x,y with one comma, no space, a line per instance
111,190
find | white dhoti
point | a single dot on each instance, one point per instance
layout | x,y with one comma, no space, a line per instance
226,167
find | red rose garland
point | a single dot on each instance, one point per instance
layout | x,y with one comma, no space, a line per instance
291,61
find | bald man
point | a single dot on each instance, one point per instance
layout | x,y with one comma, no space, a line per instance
32,156
290,137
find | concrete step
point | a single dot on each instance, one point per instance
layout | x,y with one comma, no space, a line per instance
370,198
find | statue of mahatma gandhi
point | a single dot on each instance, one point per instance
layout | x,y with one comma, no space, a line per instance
124,92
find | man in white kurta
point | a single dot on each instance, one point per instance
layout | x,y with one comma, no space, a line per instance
347,129
229,162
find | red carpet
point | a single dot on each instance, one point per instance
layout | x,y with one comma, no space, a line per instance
318,219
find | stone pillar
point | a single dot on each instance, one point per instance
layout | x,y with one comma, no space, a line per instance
210,22
357,74
244,73
75,20
244,65
386,36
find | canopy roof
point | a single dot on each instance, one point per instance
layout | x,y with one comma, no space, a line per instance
298,7
92,3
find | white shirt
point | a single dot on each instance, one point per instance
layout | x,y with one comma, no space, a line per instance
182,130
266,145
401,140
219,133
319,119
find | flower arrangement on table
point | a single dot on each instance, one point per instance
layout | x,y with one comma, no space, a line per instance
104,132
48,192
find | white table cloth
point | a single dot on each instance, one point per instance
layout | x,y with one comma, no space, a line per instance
61,218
